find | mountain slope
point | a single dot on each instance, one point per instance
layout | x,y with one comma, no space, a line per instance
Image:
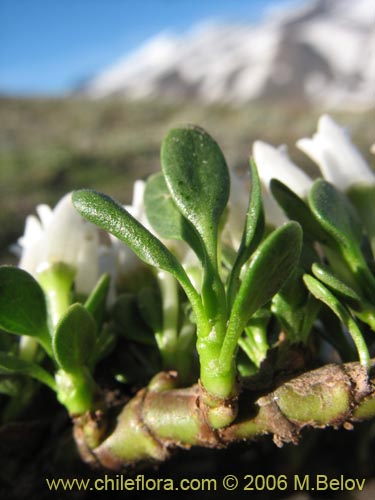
322,52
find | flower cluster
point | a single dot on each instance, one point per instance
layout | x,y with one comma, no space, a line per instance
330,148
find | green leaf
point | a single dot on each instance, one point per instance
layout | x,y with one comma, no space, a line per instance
150,308
128,321
335,213
271,265
323,294
74,339
362,309
338,217
296,209
294,308
164,216
10,385
96,302
12,364
109,215
254,225
344,291
197,176
105,343
253,230
23,305
362,197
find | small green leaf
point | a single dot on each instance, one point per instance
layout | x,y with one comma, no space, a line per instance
362,197
161,210
254,225
23,305
74,339
128,321
197,176
105,343
344,291
296,209
164,216
109,215
253,230
150,308
9,385
271,265
338,217
12,364
96,302
320,292
334,212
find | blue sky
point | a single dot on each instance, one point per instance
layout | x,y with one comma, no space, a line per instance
49,46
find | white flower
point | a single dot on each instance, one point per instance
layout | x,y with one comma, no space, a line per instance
338,159
272,211
137,208
237,208
126,260
274,163
62,236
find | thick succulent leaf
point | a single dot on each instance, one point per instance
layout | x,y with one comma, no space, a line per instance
335,214
111,216
296,209
22,305
74,339
164,216
271,265
338,217
362,197
254,224
197,176
9,384
12,364
150,308
128,321
96,302
344,291
322,293
253,230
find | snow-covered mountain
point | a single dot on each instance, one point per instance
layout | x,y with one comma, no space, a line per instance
321,52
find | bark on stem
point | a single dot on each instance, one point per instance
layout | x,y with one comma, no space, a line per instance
161,418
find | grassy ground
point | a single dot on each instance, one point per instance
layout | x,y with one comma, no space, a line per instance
51,146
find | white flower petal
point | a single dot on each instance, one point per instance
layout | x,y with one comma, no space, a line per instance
138,193
237,206
45,215
66,233
338,159
274,164
87,264
33,231
273,213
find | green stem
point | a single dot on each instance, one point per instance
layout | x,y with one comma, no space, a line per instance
359,342
161,418
167,338
28,348
57,280
255,344
76,391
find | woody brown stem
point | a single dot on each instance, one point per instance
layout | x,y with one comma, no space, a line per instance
162,418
